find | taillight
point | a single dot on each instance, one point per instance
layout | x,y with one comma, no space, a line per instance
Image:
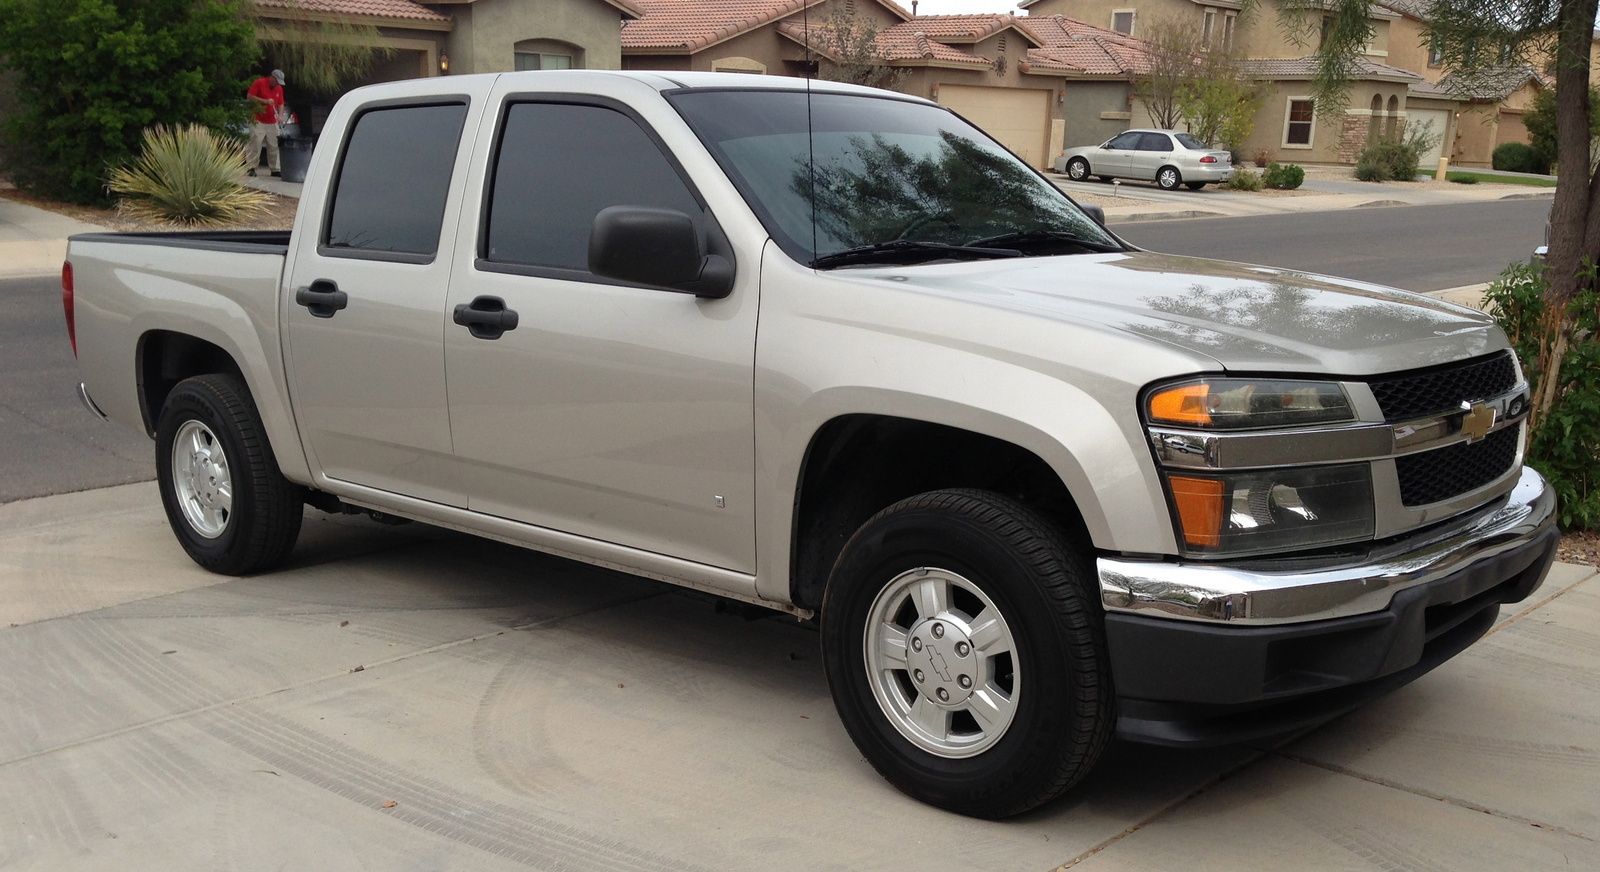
1210,158
67,305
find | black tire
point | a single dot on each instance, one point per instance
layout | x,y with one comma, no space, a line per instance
266,509
1168,178
1077,169
1042,586
1194,186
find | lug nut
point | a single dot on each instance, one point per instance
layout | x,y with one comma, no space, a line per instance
964,681
963,649
917,674
944,695
916,644
938,631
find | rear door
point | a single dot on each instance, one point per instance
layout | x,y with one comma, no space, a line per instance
364,306
1154,152
616,412
1116,157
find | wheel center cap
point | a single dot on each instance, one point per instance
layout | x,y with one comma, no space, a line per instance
943,665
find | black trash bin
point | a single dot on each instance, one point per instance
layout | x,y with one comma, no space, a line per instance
294,157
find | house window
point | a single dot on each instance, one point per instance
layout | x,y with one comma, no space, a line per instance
546,54
1122,21
1206,28
1297,127
1227,30
1436,52
1327,27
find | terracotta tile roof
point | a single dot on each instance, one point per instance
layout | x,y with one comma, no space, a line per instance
401,10
1489,86
687,26
1073,47
901,44
1306,67
970,28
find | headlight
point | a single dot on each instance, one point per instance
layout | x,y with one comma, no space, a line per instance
1272,510
1233,403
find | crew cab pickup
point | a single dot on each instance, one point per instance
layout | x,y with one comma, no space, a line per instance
834,351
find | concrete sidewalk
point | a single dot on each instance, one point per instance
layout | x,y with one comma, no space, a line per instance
33,241
404,698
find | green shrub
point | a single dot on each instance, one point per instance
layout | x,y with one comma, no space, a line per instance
1395,159
1517,157
1566,447
1463,179
1244,180
1370,169
1284,177
91,75
187,175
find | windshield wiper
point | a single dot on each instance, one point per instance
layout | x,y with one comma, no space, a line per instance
898,249
1025,237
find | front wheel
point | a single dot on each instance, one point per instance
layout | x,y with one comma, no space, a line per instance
1077,169
1169,178
966,655
230,507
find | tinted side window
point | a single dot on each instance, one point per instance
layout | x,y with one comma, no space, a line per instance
392,182
1155,142
1125,140
558,165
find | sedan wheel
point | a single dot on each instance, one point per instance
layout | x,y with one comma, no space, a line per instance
1168,178
1078,169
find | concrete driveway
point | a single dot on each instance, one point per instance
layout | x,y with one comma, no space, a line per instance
402,698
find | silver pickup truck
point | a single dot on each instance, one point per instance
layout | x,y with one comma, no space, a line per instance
833,351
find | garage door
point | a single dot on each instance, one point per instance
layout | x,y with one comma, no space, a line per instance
1436,119
1018,118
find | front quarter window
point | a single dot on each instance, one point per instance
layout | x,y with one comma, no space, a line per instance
880,172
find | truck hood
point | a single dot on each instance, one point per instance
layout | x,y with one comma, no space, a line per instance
1244,317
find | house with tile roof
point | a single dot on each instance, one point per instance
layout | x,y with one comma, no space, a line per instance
438,37
1289,126
1035,84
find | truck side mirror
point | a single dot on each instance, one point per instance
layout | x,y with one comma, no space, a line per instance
1095,213
659,247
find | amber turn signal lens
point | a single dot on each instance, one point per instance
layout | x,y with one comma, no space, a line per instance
1199,502
1182,404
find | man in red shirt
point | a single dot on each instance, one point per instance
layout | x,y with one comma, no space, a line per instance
266,95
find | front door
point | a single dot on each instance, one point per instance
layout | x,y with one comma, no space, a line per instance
612,411
1116,156
365,303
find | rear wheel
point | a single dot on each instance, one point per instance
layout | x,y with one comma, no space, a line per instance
1194,186
1168,178
1077,169
226,501
965,653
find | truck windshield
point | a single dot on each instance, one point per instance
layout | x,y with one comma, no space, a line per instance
908,181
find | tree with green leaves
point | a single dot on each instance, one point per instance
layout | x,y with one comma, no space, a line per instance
1481,40
92,75
1219,100
323,57
848,42
1540,119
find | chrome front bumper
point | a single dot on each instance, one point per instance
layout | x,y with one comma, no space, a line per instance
1235,594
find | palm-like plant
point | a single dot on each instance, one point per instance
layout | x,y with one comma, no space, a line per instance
186,175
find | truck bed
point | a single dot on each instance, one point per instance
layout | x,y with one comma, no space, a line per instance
251,241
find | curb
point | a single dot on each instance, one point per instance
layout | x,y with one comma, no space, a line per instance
1162,216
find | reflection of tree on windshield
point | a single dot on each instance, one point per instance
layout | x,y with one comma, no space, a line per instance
877,191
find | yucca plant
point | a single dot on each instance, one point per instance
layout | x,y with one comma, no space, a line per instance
186,175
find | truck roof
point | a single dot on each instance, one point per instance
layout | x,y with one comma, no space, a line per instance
666,80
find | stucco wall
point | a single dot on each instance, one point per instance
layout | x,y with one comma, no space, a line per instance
1337,135
1087,106
1408,49
486,32
1477,127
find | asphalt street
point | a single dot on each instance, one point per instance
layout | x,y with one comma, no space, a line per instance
50,444
1417,248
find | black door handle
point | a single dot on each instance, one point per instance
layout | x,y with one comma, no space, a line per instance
322,298
486,317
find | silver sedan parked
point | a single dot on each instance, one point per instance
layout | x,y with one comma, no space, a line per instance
1166,157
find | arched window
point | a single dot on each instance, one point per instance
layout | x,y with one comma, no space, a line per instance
1374,118
1391,128
546,54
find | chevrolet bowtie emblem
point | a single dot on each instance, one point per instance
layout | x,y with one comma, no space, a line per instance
1477,421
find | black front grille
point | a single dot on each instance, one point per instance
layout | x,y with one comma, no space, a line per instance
1448,472
1404,397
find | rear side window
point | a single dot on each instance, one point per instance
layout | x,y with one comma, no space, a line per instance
1155,142
389,194
557,166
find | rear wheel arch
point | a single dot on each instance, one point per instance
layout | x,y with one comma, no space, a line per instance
857,464
163,358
